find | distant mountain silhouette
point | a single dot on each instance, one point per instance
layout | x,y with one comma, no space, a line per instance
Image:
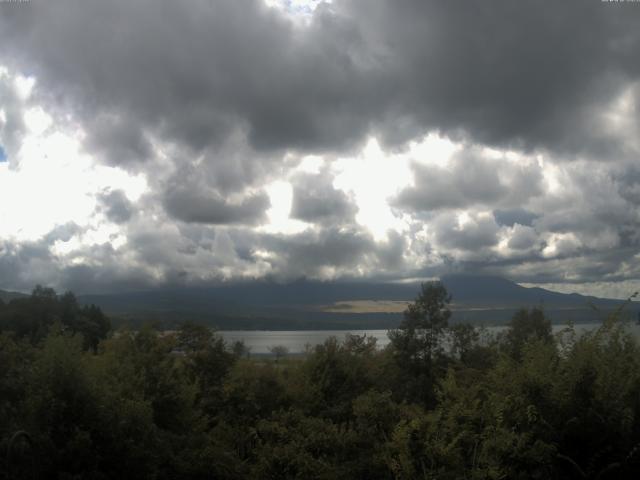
250,297
483,290
8,296
296,305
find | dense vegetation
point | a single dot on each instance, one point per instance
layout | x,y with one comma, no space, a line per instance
80,401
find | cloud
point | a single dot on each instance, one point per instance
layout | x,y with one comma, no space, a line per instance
464,184
470,179
196,193
315,199
12,109
325,253
510,217
114,140
523,237
357,68
23,265
115,205
472,234
502,73
391,254
210,103
192,80
210,207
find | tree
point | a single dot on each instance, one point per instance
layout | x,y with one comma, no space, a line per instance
240,349
527,326
34,316
464,338
360,344
194,338
93,325
335,375
88,320
419,336
417,343
206,360
279,351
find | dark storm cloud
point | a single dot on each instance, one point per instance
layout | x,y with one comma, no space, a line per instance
510,217
470,180
316,200
508,73
197,193
103,278
390,254
321,252
523,238
627,178
206,257
116,141
592,223
207,98
107,272
476,234
526,73
27,263
12,125
189,73
465,184
226,167
24,264
115,205
608,265
591,202
308,253
210,207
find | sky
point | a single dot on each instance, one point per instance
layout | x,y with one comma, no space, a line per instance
150,143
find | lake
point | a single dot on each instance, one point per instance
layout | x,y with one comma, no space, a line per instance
296,341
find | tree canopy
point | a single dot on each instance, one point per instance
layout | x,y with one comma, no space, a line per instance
438,402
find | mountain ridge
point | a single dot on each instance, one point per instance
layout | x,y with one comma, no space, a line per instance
302,304
6,296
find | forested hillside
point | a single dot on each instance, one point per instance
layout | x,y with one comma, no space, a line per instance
78,400
316,305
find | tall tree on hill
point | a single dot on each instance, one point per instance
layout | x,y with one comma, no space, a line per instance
417,343
527,326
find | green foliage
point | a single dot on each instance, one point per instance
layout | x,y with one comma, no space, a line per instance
419,337
417,344
255,391
464,337
33,317
337,373
279,351
206,360
15,359
526,326
437,403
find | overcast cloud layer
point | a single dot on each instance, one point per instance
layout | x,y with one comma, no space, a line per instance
154,142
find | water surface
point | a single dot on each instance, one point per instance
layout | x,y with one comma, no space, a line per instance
297,341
